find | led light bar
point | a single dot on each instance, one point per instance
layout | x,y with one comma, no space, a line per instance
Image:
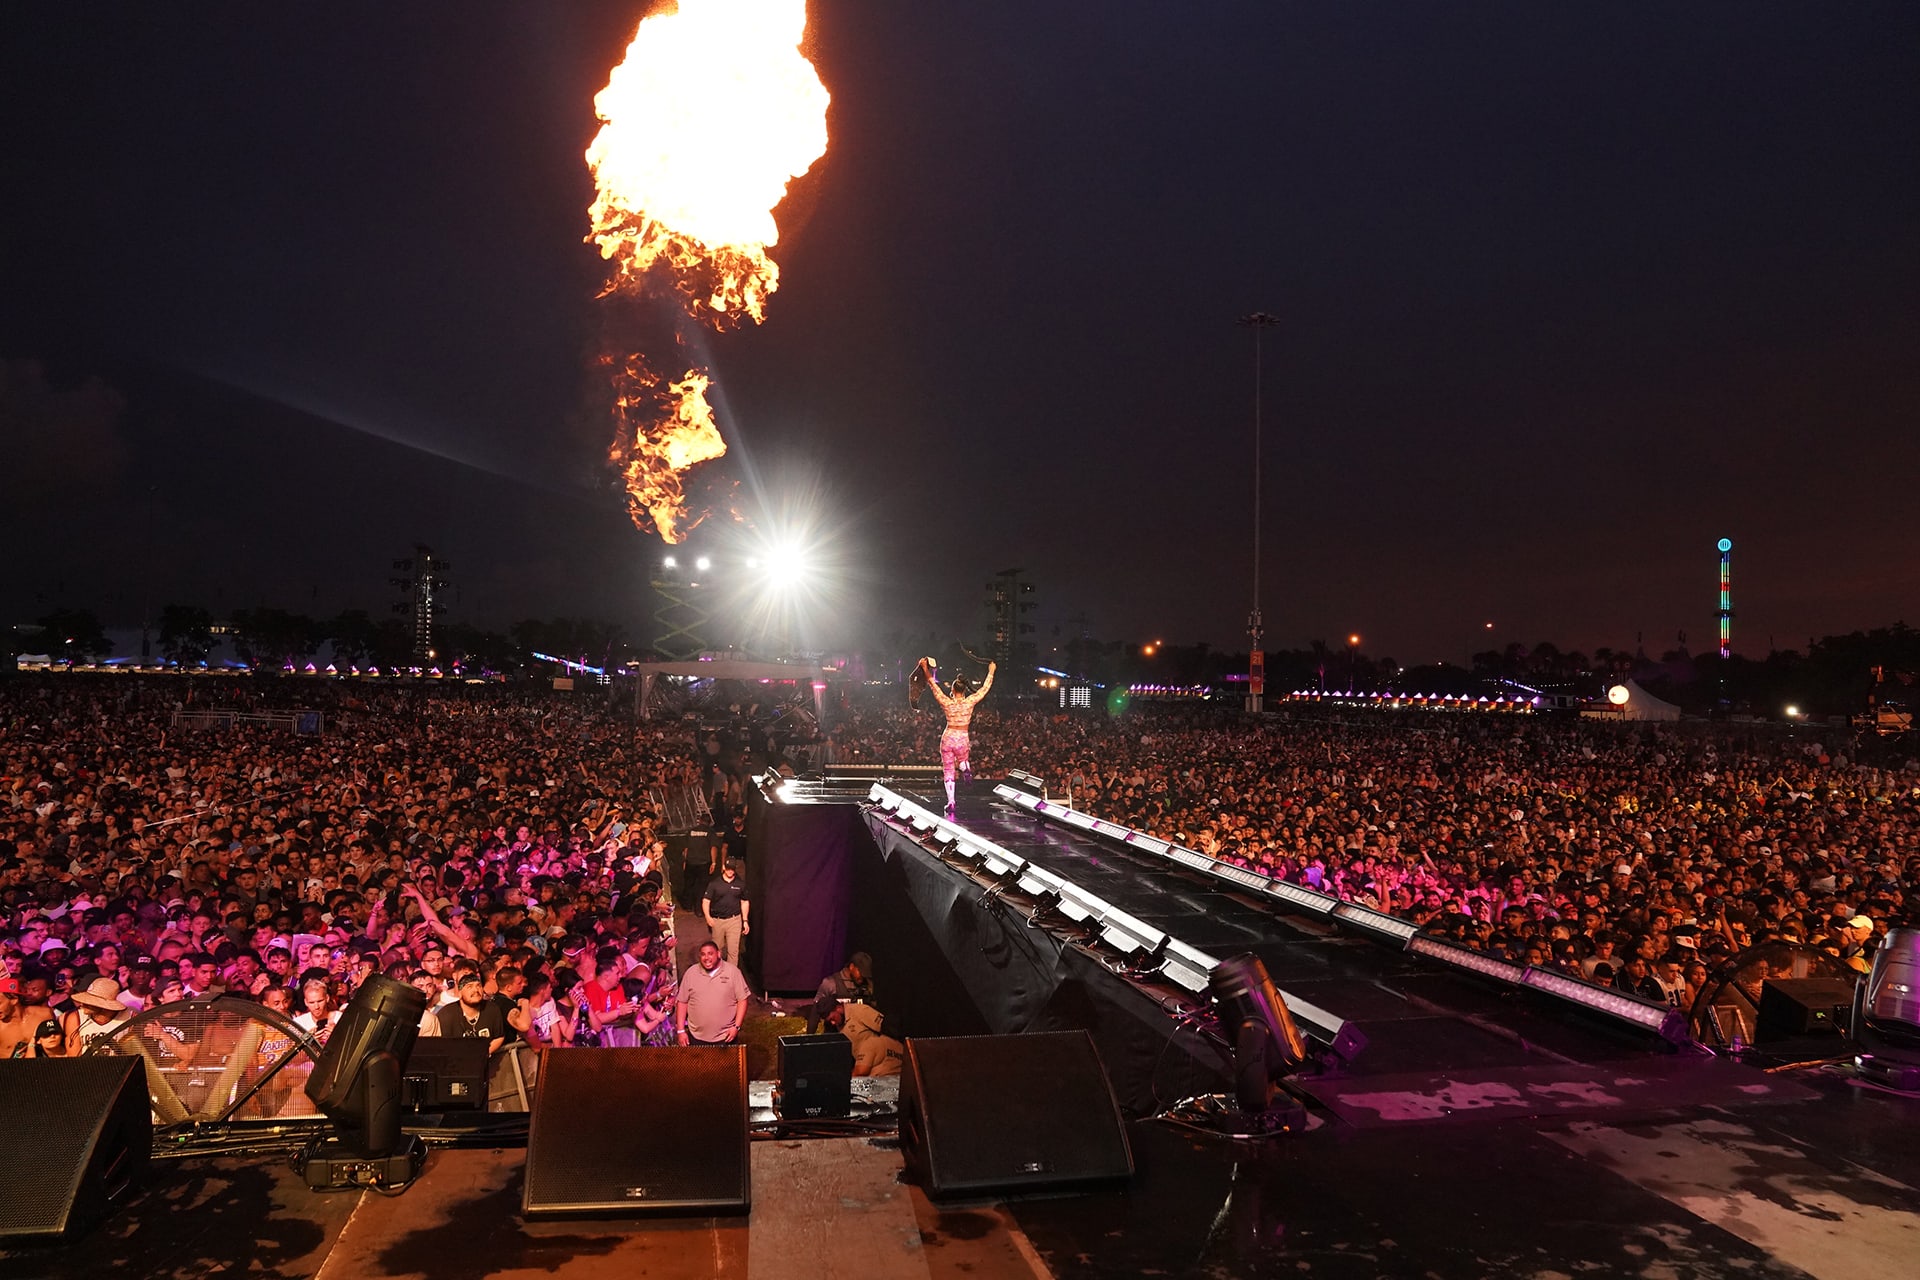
1021,798
1000,862
1239,875
1186,967
1645,1013
1140,840
1465,958
1375,921
1031,884
1320,903
1199,861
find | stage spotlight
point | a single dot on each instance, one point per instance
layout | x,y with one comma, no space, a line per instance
669,563
703,564
788,567
1886,1013
1267,1047
356,1084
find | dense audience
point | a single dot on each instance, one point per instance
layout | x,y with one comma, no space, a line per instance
1638,856
499,850
496,850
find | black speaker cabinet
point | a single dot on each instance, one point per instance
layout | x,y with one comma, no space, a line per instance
983,1114
1802,1006
445,1073
628,1131
816,1076
79,1132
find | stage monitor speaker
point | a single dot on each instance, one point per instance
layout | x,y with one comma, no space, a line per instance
628,1131
983,1114
79,1132
816,1076
1802,1007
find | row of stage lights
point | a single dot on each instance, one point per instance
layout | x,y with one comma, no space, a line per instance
1148,949
1662,1019
1455,702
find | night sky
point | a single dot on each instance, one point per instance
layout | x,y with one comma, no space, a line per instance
1568,292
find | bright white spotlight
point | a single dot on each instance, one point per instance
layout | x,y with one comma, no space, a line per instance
703,564
669,563
787,567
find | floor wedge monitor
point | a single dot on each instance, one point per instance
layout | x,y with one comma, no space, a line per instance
982,1114
631,1131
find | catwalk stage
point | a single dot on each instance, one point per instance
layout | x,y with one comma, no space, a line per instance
1458,1130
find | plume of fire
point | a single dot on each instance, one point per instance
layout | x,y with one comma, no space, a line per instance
712,113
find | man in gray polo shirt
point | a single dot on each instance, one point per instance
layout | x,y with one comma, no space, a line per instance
712,1001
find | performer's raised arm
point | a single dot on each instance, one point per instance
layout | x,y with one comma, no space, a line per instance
985,685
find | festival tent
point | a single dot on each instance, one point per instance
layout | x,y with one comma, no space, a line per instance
1641,705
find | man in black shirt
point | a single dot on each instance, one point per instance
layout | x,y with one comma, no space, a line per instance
474,1014
726,907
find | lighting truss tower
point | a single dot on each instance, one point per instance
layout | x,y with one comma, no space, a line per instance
1259,322
1007,607
424,579
680,615
1726,598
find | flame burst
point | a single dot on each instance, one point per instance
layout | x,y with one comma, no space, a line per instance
713,112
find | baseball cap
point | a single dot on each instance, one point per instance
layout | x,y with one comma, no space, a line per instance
1860,922
48,1027
9,986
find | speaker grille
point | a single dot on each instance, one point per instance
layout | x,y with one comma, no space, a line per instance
639,1130
78,1134
981,1113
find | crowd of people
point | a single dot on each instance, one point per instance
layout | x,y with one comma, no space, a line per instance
1641,857
502,851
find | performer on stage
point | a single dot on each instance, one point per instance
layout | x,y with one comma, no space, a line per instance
958,705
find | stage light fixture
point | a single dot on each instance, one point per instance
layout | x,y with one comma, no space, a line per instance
1187,967
1886,1013
1318,903
1644,1013
1267,1046
356,1084
703,564
1375,921
1466,958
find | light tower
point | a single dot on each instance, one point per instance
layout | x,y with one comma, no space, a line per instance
1259,322
1726,598
425,580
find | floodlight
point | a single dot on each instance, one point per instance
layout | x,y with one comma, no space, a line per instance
703,564
1645,1013
1375,921
1466,958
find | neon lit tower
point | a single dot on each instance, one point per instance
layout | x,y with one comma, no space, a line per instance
1726,598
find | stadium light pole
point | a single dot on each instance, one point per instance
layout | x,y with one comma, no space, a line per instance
1259,322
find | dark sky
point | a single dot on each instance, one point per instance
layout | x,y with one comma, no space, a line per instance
1568,292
